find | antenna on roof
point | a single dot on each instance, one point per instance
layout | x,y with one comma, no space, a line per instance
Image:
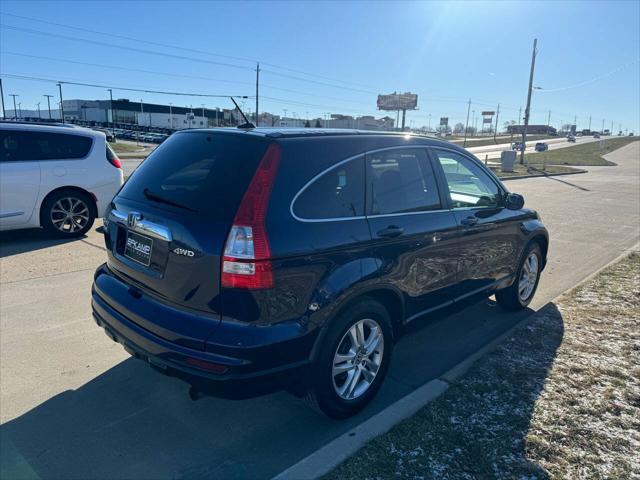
247,123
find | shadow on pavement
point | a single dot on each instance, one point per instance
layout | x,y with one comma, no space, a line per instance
14,242
131,422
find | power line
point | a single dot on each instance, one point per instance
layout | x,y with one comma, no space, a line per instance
592,80
176,47
161,92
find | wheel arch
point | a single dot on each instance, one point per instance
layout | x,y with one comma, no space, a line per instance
388,297
68,188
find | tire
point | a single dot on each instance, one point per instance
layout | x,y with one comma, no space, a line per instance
68,214
369,369
514,298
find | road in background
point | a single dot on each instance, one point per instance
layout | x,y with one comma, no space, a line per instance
129,164
74,405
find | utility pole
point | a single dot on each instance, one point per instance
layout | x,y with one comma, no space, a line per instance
39,117
19,109
466,126
4,113
113,118
520,116
49,104
257,91
61,105
602,131
141,111
15,110
589,122
203,121
549,119
473,122
611,131
171,115
527,111
495,130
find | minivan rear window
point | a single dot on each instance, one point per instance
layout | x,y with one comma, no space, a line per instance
202,171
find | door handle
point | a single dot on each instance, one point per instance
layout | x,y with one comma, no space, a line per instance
469,221
391,231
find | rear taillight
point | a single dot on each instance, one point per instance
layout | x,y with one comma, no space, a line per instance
246,261
115,162
112,158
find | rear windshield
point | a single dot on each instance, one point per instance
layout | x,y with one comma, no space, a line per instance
204,172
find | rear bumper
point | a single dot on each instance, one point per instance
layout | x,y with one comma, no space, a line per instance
222,368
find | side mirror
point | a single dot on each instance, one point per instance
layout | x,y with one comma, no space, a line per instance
514,201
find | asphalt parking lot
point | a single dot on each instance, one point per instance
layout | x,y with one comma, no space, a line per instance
74,405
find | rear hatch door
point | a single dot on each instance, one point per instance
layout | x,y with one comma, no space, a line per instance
167,228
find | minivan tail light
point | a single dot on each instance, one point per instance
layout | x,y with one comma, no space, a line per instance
246,261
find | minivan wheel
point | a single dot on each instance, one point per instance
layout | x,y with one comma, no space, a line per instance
520,294
68,214
353,360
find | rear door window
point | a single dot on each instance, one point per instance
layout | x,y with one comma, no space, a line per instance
24,146
337,193
202,171
401,181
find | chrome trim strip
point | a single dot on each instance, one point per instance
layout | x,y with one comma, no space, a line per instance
11,214
143,226
359,217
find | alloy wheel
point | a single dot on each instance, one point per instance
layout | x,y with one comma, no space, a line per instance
358,359
528,277
69,214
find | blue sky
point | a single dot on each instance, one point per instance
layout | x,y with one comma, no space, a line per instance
444,52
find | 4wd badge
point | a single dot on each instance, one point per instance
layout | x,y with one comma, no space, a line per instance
183,251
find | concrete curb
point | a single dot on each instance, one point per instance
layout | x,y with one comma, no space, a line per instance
520,177
325,459
337,451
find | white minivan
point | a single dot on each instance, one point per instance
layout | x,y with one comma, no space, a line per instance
56,176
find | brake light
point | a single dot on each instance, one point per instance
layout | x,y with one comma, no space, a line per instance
246,260
112,158
116,162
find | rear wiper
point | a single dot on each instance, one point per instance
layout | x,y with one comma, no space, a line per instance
157,198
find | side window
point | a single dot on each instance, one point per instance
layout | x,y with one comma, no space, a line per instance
469,185
15,147
20,146
401,181
338,193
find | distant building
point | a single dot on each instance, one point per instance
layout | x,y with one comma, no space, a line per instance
532,130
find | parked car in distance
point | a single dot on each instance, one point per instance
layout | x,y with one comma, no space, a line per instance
596,135
289,257
56,176
542,147
111,138
518,146
571,138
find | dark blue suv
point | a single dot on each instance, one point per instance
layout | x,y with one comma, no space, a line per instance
240,257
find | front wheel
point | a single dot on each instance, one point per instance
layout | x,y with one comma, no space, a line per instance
520,294
353,360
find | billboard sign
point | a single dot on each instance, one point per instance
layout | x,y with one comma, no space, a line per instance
488,114
444,120
487,120
398,101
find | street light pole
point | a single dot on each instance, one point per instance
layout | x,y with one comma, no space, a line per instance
495,130
61,105
4,113
39,117
527,111
113,118
171,115
49,104
257,92
20,109
15,110
466,126
205,126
